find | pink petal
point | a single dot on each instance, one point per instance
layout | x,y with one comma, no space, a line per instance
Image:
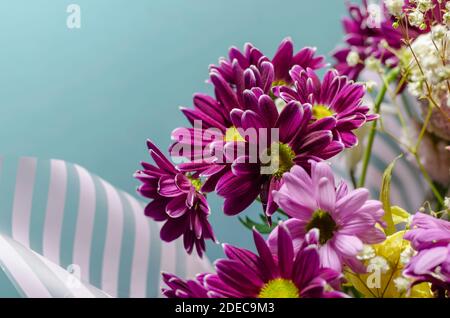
347,245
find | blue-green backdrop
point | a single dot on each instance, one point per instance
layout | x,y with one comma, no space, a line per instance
93,95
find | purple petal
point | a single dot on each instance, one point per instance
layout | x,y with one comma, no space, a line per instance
177,207
285,252
282,59
265,255
427,260
167,187
157,209
306,266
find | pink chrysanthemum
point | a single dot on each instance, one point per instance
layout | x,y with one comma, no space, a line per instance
430,237
346,219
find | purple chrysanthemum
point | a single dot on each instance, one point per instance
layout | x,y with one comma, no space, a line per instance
240,65
280,273
367,37
177,200
261,172
346,219
430,237
231,78
283,274
335,96
193,288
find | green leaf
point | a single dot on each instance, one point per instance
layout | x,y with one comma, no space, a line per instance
263,227
399,215
385,197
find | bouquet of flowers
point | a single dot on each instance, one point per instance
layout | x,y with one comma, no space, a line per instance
268,134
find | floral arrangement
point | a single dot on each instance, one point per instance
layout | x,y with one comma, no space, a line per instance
267,135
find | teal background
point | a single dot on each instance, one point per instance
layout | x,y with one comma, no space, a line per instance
94,95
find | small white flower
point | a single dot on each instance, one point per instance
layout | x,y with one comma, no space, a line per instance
395,7
406,254
439,32
416,18
353,59
373,64
424,5
430,61
401,284
380,263
366,253
370,85
415,88
446,17
447,202
429,49
444,73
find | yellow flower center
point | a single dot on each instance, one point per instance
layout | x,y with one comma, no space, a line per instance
281,159
323,221
196,182
275,84
232,135
279,288
279,83
321,111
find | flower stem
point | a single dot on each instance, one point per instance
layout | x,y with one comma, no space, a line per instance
389,78
279,210
429,180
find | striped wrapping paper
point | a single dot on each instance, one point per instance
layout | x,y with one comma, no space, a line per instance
56,213
25,273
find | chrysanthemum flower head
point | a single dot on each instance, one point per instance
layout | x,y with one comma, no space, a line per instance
176,200
366,32
335,96
345,219
241,72
260,172
179,288
430,237
281,273
240,64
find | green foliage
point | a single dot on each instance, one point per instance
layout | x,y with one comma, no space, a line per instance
385,197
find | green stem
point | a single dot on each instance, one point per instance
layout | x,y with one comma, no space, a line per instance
429,180
424,128
390,77
279,210
353,178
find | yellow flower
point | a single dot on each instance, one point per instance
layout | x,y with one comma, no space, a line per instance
384,277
